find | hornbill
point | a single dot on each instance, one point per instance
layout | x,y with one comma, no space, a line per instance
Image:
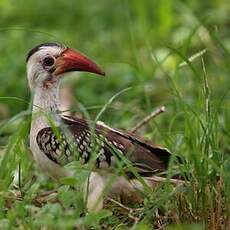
56,142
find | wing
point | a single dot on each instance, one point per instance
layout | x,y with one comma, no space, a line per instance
109,144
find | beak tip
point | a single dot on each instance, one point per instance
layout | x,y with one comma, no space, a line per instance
102,73
98,71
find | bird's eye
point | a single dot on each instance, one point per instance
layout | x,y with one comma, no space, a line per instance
48,61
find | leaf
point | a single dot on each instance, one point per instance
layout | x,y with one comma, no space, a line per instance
93,219
68,181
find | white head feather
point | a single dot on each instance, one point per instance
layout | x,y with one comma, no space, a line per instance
37,73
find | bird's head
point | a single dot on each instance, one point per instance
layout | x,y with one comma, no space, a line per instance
47,62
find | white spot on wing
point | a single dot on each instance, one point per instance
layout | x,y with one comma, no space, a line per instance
84,143
102,157
121,146
48,147
102,151
78,140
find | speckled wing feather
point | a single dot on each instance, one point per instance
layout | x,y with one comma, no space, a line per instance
109,144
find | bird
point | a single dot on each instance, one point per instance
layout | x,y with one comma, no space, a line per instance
56,140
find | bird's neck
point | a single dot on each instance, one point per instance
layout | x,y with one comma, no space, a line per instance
45,106
46,99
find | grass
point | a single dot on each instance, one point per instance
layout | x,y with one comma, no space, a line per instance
154,48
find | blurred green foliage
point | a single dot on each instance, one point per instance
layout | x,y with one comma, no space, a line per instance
121,36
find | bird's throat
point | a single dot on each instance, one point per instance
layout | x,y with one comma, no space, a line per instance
46,99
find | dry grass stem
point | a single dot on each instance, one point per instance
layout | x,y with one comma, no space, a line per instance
152,115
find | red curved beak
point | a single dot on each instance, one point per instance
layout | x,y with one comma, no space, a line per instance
71,60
